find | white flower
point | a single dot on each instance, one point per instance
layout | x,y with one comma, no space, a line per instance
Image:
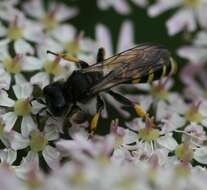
38,142
21,31
190,13
56,14
21,108
14,66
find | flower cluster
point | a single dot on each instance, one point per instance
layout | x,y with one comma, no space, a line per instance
166,148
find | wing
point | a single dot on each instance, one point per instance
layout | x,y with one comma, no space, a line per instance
143,63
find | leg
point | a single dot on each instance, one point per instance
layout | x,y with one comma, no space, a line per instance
99,108
100,55
138,109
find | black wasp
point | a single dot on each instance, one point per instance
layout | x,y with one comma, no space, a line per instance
141,64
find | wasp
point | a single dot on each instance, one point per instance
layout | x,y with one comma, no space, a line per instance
141,64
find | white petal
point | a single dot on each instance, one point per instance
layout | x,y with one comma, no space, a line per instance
51,133
9,119
161,6
20,79
202,15
103,38
201,39
18,142
30,63
5,100
194,54
31,156
23,91
64,33
168,142
52,157
64,13
103,4
23,47
2,30
5,80
121,7
8,156
141,3
41,79
200,155
36,5
183,19
130,137
126,36
27,126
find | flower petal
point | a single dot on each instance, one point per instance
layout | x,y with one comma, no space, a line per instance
168,142
5,100
8,156
126,36
18,142
103,37
9,119
27,126
200,155
52,157
41,79
30,63
23,91
51,133
23,47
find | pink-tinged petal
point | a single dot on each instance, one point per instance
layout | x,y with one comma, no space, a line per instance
52,157
64,33
196,55
65,13
27,126
5,100
8,179
20,79
126,36
182,20
162,6
23,47
121,7
41,79
18,142
103,38
23,91
30,63
9,119
36,5
8,156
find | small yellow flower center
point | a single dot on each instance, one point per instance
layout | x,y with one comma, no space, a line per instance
49,22
184,152
72,47
14,33
148,134
52,67
38,141
159,93
22,107
192,3
193,115
11,65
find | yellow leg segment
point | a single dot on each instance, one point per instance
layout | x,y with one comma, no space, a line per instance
94,122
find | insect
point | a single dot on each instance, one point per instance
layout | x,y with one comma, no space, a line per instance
141,64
